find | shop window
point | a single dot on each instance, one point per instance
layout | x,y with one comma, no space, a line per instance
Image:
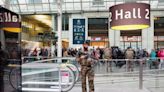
65,22
98,23
130,41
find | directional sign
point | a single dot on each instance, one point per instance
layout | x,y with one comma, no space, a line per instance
78,31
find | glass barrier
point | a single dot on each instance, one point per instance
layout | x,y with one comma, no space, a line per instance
135,73
48,75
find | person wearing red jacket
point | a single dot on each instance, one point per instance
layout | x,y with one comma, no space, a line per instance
161,56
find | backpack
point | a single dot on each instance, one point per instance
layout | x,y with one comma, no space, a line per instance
107,54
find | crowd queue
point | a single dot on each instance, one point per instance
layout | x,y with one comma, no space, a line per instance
155,57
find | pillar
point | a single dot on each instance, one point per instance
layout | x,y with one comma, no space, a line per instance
114,37
2,39
54,31
59,22
148,36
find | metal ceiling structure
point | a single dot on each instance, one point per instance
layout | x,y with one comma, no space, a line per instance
71,6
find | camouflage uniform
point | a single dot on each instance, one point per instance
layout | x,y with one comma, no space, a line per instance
129,54
108,56
87,70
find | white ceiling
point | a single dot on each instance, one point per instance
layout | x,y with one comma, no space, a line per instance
71,6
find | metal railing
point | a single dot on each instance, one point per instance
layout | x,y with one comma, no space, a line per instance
48,75
140,73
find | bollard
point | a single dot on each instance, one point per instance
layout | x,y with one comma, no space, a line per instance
107,66
141,75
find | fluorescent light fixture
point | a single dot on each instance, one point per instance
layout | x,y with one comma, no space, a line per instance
44,19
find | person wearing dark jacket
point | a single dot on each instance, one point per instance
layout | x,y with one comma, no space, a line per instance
3,63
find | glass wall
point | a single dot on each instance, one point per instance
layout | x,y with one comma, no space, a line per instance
98,32
159,32
130,41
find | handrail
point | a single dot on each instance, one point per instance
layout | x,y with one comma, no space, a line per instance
49,68
106,60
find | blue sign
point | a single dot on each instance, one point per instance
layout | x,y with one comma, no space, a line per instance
78,31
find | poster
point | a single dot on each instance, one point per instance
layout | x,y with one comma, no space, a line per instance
78,31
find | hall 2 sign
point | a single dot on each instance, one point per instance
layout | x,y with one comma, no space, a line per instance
129,16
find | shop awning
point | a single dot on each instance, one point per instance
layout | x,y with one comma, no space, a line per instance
9,21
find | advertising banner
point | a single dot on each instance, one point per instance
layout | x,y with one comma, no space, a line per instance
78,31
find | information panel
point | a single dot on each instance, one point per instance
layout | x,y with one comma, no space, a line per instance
78,31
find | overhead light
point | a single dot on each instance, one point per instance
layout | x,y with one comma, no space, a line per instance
40,16
44,19
15,30
129,16
130,27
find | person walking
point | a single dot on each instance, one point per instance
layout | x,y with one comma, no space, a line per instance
87,71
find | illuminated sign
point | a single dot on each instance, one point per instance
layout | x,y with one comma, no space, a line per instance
9,20
129,16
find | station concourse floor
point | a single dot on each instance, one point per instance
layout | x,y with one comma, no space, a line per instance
123,84
120,81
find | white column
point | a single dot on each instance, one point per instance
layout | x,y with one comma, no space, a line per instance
59,18
114,37
53,30
148,37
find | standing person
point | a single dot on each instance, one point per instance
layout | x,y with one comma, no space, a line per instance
129,54
153,60
87,70
161,56
107,56
3,63
14,54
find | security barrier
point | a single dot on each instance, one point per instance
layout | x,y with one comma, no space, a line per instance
32,72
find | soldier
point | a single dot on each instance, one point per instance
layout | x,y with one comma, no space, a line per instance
108,56
3,63
86,61
129,54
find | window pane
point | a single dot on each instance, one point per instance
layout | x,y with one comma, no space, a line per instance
45,1
34,1
31,8
65,22
23,8
45,7
21,1
38,7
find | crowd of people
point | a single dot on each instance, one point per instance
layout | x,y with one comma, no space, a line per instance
156,57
